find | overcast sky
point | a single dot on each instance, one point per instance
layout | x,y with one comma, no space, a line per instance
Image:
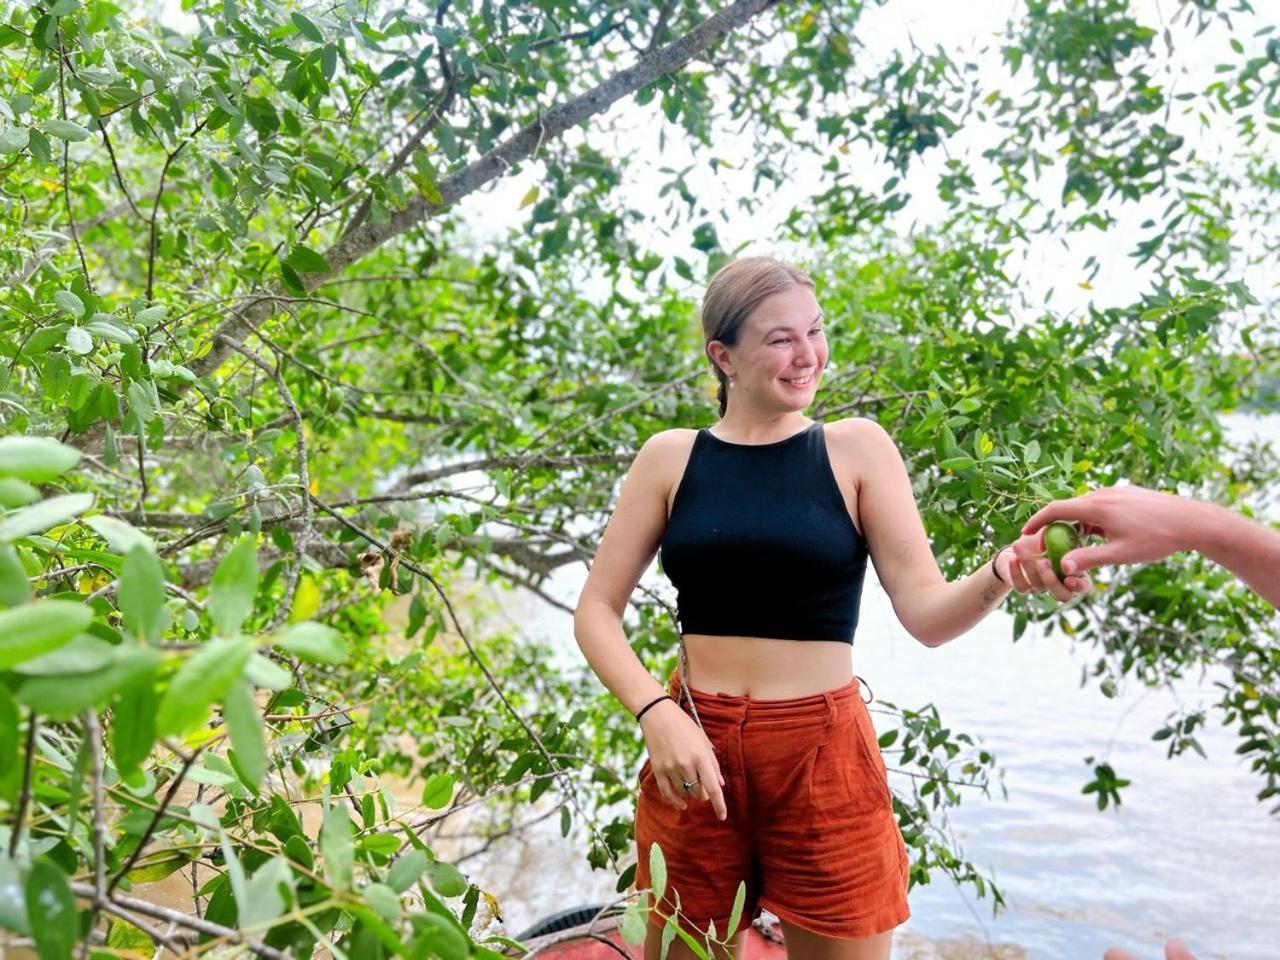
962,29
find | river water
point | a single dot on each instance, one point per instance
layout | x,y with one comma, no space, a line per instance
1190,851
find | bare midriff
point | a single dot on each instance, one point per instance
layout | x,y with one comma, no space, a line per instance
766,668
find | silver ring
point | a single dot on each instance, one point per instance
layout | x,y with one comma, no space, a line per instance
687,784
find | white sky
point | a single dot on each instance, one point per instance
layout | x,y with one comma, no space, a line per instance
1046,264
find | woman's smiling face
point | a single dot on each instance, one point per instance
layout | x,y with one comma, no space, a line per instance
782,350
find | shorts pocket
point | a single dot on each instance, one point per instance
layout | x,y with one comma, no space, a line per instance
874,769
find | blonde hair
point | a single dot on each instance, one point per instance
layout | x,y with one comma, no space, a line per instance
732,296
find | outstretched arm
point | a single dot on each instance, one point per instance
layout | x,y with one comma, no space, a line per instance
1142,526
933,609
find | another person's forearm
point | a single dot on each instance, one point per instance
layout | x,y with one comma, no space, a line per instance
944,611
599,633
1247,548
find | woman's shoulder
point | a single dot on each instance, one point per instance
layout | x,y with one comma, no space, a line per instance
671,439
666,448
859,443
856,430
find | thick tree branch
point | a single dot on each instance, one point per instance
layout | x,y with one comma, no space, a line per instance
355,244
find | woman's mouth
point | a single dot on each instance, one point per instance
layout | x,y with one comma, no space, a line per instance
798,382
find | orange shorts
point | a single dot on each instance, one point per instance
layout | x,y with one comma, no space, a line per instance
810,824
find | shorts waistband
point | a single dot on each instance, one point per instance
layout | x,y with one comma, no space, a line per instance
733,706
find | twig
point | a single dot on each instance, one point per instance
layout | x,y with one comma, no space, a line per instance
120,903
24,798
187,761
484,667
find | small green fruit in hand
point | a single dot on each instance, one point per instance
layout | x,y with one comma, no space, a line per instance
1059,538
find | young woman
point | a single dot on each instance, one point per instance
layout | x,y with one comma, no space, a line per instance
763,764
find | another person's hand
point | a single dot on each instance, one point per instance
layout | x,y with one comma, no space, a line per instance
1139,525
1173,950
1026,569
679,750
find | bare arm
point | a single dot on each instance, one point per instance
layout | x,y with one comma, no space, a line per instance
629,543
1245,547
932,609
678,749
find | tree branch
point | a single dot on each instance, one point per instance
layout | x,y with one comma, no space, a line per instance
355,244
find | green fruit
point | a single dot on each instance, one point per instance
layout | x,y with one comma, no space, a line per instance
1059,537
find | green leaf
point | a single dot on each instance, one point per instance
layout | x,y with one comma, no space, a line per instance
438,791
10,768
14,587
267,894
13,901
84,653
79,341
335,845
14,140
37,459
446,879
62,697
151,315
35,628
133,729
305,260
51,911
264,673
657,871
404,873
384,901
202,679
306,27
16,493
65,130
957,463
68,302
245,725
121,536
437,937
234,585
109,331
313,642
141,594
39,517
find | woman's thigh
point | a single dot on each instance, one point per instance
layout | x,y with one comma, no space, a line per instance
679,950
804,945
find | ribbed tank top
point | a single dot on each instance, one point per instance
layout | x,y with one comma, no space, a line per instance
760,543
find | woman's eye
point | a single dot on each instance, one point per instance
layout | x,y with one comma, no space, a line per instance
812,332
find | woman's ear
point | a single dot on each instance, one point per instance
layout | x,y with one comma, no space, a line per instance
719,355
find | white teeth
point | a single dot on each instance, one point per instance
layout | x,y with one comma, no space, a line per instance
798,381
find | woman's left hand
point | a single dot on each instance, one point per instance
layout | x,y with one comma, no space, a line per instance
1027,569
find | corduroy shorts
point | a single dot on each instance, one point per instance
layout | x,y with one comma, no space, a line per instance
810,825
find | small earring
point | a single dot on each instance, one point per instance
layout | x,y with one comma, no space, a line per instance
732,382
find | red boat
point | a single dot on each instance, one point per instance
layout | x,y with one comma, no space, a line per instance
591,933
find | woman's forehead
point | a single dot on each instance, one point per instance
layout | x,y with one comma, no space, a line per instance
794,307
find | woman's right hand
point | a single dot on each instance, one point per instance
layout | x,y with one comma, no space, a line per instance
678,751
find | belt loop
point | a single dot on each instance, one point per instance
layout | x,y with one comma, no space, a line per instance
831,709
864,683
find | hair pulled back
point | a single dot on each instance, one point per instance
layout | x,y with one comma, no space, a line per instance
733,294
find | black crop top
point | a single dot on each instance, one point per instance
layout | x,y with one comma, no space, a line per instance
760,543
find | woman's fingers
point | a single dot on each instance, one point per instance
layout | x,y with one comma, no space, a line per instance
671,791
1018,578
707,787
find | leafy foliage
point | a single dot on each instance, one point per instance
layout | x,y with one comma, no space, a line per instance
250,356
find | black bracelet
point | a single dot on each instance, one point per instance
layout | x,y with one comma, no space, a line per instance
665,696
993,566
